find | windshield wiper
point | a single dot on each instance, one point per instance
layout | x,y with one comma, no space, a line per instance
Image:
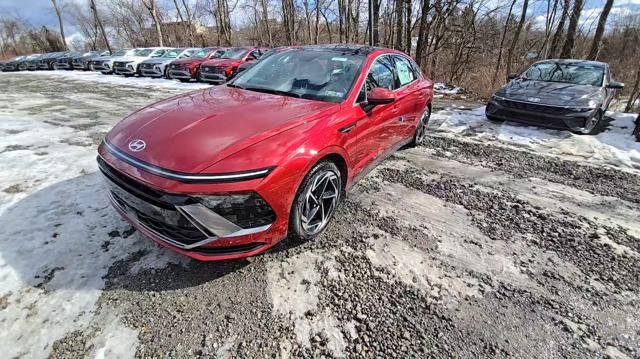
231,84
272,91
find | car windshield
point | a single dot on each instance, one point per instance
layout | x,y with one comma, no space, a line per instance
310,74
172,54
201,54
143,52
236,53
571,73
120,53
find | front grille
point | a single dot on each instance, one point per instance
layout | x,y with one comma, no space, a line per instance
214,69
525,106
147,66
119,64
161,217
186,234
176,67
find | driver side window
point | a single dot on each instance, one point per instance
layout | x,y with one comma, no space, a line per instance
380,74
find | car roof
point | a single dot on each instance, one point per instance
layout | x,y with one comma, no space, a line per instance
353,49
574,61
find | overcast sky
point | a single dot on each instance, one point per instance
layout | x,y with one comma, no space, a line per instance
40,12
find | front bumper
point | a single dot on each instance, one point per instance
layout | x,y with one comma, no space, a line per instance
61,66
187,227
539,115
180,74
151,71
127,69
102,67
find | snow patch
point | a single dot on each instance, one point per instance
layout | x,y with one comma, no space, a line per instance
293,287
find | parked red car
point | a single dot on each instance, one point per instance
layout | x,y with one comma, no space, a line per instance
227,172
219,70
188,68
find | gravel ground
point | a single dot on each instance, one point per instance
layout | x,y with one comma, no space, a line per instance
454,249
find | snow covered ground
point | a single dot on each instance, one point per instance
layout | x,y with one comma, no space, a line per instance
60,242
615,146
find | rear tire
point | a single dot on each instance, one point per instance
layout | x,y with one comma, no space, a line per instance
316,201
421,128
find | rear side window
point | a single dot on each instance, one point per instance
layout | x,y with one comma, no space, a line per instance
405,70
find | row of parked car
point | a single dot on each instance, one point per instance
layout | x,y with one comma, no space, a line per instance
210,64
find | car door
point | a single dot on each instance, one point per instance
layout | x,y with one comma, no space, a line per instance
409,99
373,123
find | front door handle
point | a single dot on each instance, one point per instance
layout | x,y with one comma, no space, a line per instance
348,128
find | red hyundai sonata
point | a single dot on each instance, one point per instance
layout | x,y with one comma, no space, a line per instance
229,171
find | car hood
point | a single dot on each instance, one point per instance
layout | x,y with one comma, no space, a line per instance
551,93
191,132
223,62
158,61
189,61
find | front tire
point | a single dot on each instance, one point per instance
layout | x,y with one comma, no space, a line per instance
316,201
594,125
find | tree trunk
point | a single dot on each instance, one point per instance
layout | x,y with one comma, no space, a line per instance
501,47
423,34
567,48
92,4
633,96
60,22
153,11
316,32
307,13
399,23
265,16
376,20
557,37
595,45
407,30
189,22
516,36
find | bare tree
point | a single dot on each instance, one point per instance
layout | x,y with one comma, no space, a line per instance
516,35
60,22
557,37
595,44
153,11
569,42
501,46
265,19
423,33
399,23
94,10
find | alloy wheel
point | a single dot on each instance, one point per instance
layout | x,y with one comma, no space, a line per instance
320,202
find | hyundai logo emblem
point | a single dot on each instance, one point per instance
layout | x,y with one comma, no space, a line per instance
137,145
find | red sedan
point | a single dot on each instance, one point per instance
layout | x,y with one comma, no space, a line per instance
218,71
227,172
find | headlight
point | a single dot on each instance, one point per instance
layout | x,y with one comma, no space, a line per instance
247,210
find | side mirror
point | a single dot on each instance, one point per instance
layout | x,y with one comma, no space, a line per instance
615,85
380,96
512,76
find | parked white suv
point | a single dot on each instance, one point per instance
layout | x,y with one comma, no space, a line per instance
157,66
130,65
105,64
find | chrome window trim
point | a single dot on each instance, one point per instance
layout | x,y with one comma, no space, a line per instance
189,178
355,100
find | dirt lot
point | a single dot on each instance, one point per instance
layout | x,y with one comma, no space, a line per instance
491,240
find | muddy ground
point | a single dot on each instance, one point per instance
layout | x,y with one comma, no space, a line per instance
455,249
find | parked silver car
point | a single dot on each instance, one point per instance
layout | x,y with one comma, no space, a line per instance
130,65
157,67
105,64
